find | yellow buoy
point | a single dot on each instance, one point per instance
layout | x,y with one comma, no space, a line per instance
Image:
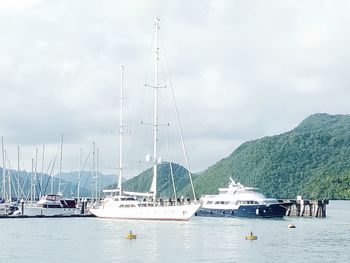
130,235
251,236
291,226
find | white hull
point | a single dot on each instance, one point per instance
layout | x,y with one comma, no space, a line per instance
34,211
176,212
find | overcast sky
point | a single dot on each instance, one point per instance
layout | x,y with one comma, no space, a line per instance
240,70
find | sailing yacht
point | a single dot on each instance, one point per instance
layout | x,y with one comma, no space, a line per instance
144,206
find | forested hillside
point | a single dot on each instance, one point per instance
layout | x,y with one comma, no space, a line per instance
142,182
312,160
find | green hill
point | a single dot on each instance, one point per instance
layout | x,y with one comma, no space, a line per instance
142,182
312,160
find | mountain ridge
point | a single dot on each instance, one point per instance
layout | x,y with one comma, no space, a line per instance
310,160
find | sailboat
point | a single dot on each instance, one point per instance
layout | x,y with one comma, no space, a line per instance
144,206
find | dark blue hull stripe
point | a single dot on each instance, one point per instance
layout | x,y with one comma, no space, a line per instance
251,211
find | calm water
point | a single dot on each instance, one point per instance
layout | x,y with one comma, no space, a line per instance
199,240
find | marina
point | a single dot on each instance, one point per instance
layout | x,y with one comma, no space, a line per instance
241,156
198,240
297,208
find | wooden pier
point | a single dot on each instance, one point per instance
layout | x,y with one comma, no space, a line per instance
307,208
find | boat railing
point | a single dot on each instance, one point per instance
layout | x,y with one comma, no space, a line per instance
166,202
209,196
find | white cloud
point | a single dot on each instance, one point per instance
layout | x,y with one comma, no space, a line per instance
18,4
241,70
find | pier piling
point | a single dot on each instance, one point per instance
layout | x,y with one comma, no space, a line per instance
308,208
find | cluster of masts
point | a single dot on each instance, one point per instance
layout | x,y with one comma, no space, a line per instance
13,185
155,159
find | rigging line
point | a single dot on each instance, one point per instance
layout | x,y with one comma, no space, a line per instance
180,176
28,193
10,174
18,183
89,174
25,181
46,175
8,171
178,119
164,101
173,174
82,170
168,151
50,174
36,177
164,185
147,67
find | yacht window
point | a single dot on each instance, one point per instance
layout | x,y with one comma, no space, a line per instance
247,202
220,202
209,202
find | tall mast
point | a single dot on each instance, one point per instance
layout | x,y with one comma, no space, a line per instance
18,177
121,125
9,180
81,152
36,172
42,171
3,169
93,169
59,175
32,182
155,123
97,163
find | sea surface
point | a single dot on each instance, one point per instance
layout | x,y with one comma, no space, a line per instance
198,240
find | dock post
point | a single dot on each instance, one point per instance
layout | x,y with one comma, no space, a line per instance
22,206
82,211
302,208
297,209
319,208
288,211
324,202
310,209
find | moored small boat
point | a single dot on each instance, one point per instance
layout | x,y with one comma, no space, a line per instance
52,204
